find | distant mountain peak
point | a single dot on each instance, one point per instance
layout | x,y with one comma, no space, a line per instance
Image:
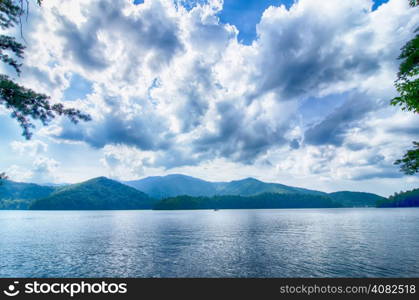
178,175
100,178
248,179
178,184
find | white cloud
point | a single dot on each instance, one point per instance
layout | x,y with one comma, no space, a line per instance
122,162
173,88
42,170
31,148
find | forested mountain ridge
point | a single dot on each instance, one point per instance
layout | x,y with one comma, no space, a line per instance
356,199
95,194
261,201
402,199
173,185
172,191
19,195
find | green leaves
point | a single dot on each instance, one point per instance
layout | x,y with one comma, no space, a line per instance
27,105
9,13
407,84
410,161
8,43
410,56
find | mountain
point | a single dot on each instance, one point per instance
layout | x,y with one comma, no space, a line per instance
160,187
95,194
403,199
18,195
252,187
356,199
103,193
265,200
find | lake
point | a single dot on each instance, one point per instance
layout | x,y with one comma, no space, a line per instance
367,242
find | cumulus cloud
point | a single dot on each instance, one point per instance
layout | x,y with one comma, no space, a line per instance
333,128
42,170
172,86
32,148
313,47
123,162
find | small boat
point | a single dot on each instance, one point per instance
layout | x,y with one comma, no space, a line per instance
215,209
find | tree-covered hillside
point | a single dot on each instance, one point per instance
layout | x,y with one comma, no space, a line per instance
95,194
252,187
267,200
160,187
356,199
18,195
403,199
103,193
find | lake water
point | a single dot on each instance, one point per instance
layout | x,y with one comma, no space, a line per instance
366,242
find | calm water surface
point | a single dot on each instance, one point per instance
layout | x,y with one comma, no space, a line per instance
226,243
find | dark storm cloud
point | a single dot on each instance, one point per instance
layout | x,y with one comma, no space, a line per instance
333,128
150,32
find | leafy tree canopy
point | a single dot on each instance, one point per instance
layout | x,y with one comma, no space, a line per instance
407,84
25,104
409,164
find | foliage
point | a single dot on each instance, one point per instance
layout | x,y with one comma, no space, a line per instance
103,193
17,195
356,199
266,200
410,161
407,84
95,194
252,187
402,199
25,104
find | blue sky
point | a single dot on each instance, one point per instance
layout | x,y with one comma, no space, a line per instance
245,14
287,92
79,87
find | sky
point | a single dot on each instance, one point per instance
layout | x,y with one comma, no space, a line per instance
294,92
